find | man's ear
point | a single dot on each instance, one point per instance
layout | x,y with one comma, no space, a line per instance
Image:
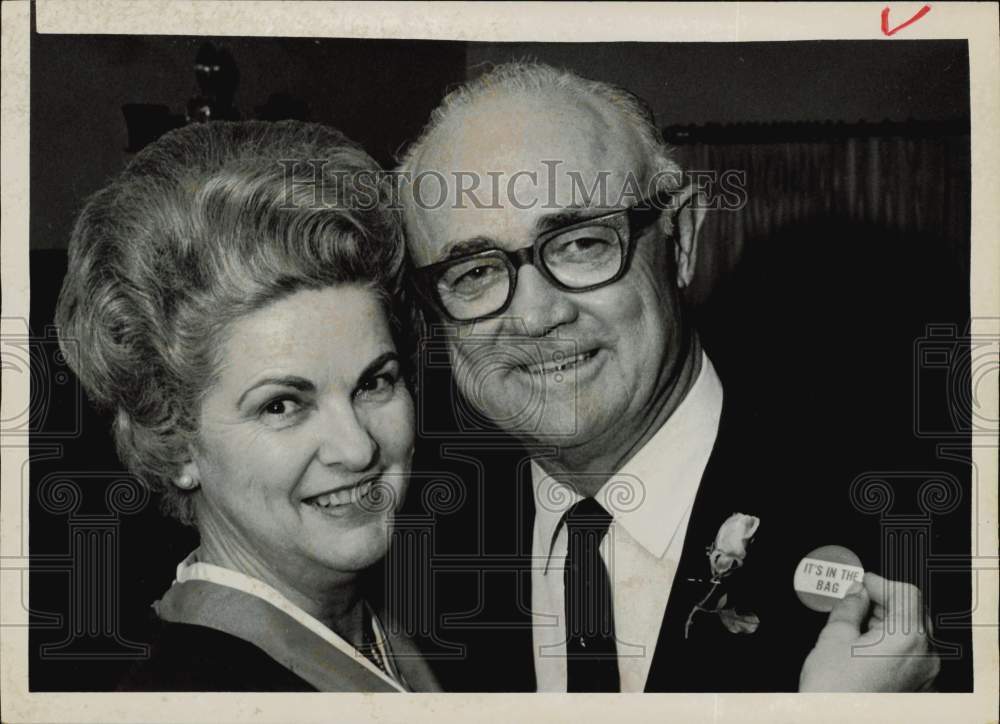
688,217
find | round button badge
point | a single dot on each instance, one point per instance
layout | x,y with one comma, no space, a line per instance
823,577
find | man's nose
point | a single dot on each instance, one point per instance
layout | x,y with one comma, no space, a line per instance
538,307
345,439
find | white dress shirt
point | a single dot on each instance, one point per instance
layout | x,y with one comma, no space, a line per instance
651,499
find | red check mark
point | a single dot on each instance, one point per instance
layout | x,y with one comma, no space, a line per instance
885,20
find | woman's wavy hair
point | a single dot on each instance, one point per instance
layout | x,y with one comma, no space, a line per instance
206,225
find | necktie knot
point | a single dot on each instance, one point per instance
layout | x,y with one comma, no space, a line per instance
588,516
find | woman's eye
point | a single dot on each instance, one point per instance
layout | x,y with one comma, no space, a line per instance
377,387
280,407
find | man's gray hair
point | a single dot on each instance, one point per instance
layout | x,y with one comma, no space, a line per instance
542,80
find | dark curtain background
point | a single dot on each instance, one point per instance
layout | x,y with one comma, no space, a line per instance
905,179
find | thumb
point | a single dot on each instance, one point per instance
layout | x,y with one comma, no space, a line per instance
879,588
844,623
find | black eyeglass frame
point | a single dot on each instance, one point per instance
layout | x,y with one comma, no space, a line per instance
638,216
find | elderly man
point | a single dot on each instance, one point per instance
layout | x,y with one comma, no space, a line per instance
553,242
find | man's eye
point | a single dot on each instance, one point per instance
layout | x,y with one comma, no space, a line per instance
588,244
476,276
473,277
477,272
584,247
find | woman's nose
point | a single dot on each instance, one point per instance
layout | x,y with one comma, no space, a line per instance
346,440
539,306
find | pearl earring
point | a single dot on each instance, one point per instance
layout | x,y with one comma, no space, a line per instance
186,481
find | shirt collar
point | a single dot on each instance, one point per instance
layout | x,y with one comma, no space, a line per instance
651,493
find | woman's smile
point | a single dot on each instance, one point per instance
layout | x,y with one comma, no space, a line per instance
342,500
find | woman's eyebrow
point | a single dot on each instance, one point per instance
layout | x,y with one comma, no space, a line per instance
378,363
297,383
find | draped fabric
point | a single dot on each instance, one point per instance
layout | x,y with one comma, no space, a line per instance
908,185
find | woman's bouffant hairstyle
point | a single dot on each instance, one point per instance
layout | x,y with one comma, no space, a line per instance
208,224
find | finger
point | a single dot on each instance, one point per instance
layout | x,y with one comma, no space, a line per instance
896,597
878,612
905,612
847,616
898,611
876,624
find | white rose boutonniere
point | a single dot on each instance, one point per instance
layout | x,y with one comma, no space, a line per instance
730,547
725,556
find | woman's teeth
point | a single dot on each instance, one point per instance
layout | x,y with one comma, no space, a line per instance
344,496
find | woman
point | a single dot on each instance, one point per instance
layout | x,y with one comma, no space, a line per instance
233,298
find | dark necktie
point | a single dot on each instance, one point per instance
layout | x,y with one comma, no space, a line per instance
591,654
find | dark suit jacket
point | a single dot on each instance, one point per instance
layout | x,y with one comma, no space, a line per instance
741,476
479,566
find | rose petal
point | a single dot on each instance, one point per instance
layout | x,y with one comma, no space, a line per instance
720,562
745,623
731,541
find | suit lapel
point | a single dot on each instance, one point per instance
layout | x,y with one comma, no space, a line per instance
526,563
740,477
671,666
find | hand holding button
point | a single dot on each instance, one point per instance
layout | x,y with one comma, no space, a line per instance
875,639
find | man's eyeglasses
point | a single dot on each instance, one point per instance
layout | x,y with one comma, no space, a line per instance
580,257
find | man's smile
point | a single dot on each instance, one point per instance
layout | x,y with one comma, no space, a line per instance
559,363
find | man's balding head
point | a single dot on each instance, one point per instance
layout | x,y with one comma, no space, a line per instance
528,82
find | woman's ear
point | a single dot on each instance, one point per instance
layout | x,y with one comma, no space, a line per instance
189,477
688,217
